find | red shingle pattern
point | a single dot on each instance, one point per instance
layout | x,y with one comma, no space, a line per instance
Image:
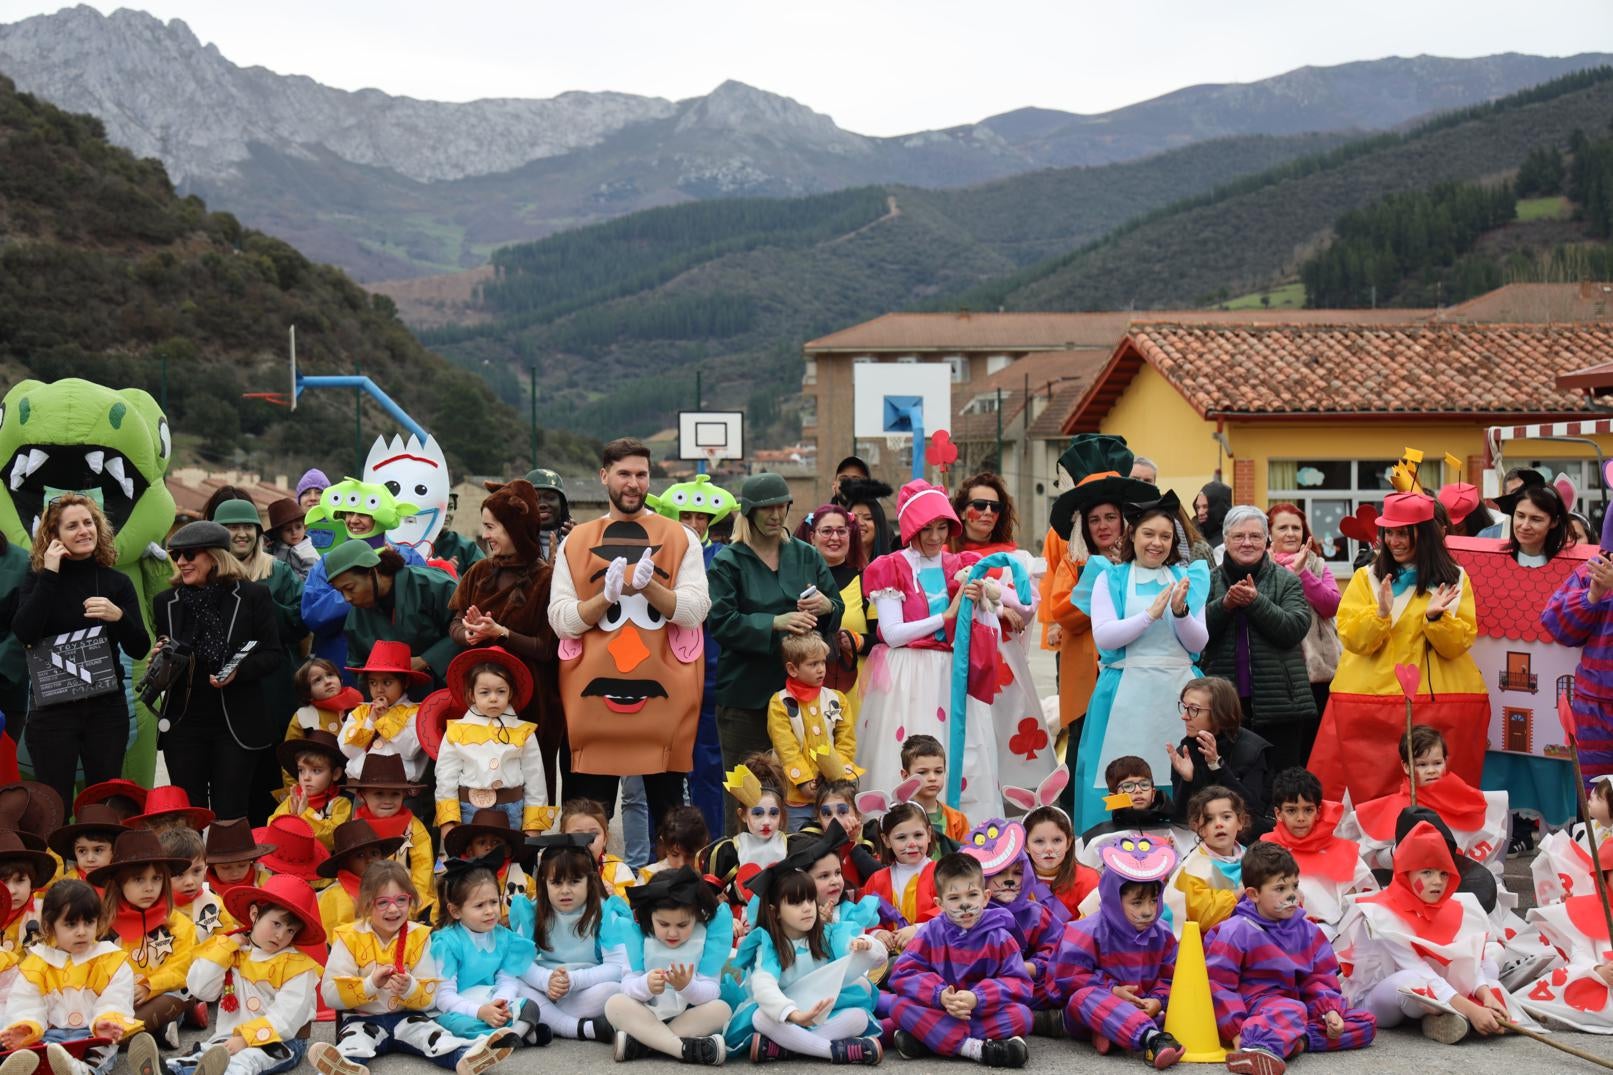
1355,369
1510,598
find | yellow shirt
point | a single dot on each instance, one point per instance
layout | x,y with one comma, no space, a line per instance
162,957
1373,645
53,990
818,737
356,951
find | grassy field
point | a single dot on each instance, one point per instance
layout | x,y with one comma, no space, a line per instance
1553,208
1286,297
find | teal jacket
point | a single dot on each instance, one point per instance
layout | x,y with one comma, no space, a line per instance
420,616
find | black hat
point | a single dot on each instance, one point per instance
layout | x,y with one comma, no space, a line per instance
1096,453
800,857
1113,489
681,885
560,841
1167,504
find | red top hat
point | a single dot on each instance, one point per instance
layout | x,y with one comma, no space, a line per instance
106,791
296,850
1406,509
170,800
459,671
392,657
286,892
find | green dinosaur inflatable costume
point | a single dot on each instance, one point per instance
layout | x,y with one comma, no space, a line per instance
114,446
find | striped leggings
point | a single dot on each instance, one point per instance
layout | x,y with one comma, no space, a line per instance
1106,1015
1278,1024
944,1035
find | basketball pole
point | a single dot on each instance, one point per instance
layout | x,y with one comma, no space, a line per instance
699,464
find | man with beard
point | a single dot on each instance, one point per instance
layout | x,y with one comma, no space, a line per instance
627,601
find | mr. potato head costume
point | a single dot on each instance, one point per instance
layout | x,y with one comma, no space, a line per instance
631,683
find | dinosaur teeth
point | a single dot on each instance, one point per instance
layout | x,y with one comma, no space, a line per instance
95,459
19,473
36,459
114,468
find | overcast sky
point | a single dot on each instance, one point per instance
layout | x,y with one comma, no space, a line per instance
878,67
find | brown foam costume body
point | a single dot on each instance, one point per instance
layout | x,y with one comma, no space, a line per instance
631,684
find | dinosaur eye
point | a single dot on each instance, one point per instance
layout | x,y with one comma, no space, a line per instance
980,839
992,832
1128,845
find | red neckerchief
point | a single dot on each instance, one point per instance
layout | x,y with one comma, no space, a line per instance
1320,852
1458,803
317,803
801,692
131,924
184,908
340,702
349,882
18,911
1423,848
388,827
221,886
986,548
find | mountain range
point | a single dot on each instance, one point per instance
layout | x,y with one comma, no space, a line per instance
388,186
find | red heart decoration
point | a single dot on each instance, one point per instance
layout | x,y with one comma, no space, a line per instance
1586,994
1541,991
1362,526
1510,932
1409,677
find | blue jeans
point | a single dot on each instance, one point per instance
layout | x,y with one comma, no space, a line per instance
99,1059
285,1055
635,823
802,816
512,811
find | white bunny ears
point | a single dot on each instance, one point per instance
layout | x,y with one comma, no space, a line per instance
871,804
1023,801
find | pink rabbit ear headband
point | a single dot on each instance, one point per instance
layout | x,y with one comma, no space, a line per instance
871,804
1023,801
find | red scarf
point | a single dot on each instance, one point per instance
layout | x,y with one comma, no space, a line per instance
221,886
388,827
349,882
20,910
340,702
131,924
1423,849
801,692
1320,852
1458,803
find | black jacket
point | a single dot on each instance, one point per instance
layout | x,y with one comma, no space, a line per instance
50,603
1244,769
249,615
1278,621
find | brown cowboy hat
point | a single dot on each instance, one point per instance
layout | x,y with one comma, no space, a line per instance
488,822
384,772
97,819
31,807
284,512
352,837
135,847
317,741
41,867
233,841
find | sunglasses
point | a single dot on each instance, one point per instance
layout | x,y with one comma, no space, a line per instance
993,506
187,554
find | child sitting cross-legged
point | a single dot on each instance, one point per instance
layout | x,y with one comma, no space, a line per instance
1210,879
573,975
1113,969
160,941
73,986
960,988
1273,975
266,989
382,980
86,844
999,847
1330,867
317,763
481,962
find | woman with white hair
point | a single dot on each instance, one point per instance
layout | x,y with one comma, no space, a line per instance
1258,617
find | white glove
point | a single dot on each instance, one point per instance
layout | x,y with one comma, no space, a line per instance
613,579
643,571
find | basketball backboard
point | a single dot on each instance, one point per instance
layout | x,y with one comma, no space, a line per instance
884,391
711,436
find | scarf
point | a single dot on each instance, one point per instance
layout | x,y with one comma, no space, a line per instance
1292,934
801,692
388,827
210,640
1423,848
131,924
1236,573
1405,579
350,882
1458,803
1320,852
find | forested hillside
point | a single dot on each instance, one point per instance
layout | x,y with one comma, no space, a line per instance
106,274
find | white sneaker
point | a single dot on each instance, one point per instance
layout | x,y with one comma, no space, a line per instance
21,1062
1447,1028
143,1055
60,1060
487,1052
213,1061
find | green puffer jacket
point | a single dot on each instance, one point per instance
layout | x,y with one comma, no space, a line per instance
1280,689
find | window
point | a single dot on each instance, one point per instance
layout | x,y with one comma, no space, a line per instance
960,368
868,452
809,372
1589,491
998,363
986,404
809,410
1328,490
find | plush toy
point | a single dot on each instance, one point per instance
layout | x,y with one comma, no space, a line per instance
698,495
114,446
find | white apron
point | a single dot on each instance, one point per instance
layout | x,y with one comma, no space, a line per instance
1144,717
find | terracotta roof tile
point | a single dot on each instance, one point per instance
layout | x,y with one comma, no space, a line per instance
1418,368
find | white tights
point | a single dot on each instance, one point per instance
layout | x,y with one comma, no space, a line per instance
644,1026
1389,1004
813,1041
563,1016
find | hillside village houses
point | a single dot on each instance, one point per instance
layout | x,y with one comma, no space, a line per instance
1307,405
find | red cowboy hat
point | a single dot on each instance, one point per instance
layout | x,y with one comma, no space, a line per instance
1406,509
431,719
393,657
287,892
107,790
168,800
296,850
459,670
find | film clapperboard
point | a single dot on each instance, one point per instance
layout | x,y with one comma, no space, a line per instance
78,664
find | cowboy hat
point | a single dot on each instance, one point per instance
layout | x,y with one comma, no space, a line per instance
289,893
384,772
135,847
488,822
168,800
31,807
391,657
232,841
108,791
41,867
459,671
97,819
296,850
317,741
349,839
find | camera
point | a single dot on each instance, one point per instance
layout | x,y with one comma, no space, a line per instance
170,663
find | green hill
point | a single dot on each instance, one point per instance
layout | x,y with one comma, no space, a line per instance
106,274
1253,233
617,317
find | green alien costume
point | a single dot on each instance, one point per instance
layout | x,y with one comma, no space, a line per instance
114,446
698,495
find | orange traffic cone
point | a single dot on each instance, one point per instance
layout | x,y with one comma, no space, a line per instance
1190,1017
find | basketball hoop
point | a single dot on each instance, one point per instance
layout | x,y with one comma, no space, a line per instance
895,442
711,455
277,398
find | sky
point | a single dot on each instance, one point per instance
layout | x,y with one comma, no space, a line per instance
878,67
